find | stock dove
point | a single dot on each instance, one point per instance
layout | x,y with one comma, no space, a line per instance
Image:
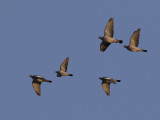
63,69
107,39
106,81
36,83
134,41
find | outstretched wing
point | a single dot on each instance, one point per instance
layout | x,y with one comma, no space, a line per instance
104,46
37,87
108,31
134,40
106,88
64,65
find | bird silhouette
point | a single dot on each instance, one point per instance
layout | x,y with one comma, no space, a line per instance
107,39
134,41
36,83
106,81
63,69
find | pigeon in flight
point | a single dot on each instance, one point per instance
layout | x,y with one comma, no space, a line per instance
106,81
107,39
63,69
36,83
134,41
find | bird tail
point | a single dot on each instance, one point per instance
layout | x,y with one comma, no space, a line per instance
48,81
118,80
119,41
70,74
144,50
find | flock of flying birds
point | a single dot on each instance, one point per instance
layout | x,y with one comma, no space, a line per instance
107,39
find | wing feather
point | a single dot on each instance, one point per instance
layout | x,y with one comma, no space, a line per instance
134,40
106,88
64,65
104,46
109,28
37,87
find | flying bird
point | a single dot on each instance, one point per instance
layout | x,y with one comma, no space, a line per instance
106,81
107,39
36,83
134,41
63,69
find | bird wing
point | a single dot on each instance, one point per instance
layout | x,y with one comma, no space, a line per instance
109,28
134,40
64,65
42,80
37,76
37,87
104,46
106,88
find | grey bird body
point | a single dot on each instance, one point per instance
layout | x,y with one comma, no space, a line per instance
134,41
106,81
107,39
63,69
36,83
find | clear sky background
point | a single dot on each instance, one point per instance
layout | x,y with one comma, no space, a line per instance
37,35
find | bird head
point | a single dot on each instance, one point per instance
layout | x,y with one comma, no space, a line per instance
125,46
100,78
100,37
31,76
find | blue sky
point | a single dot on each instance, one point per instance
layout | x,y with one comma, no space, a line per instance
37,35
